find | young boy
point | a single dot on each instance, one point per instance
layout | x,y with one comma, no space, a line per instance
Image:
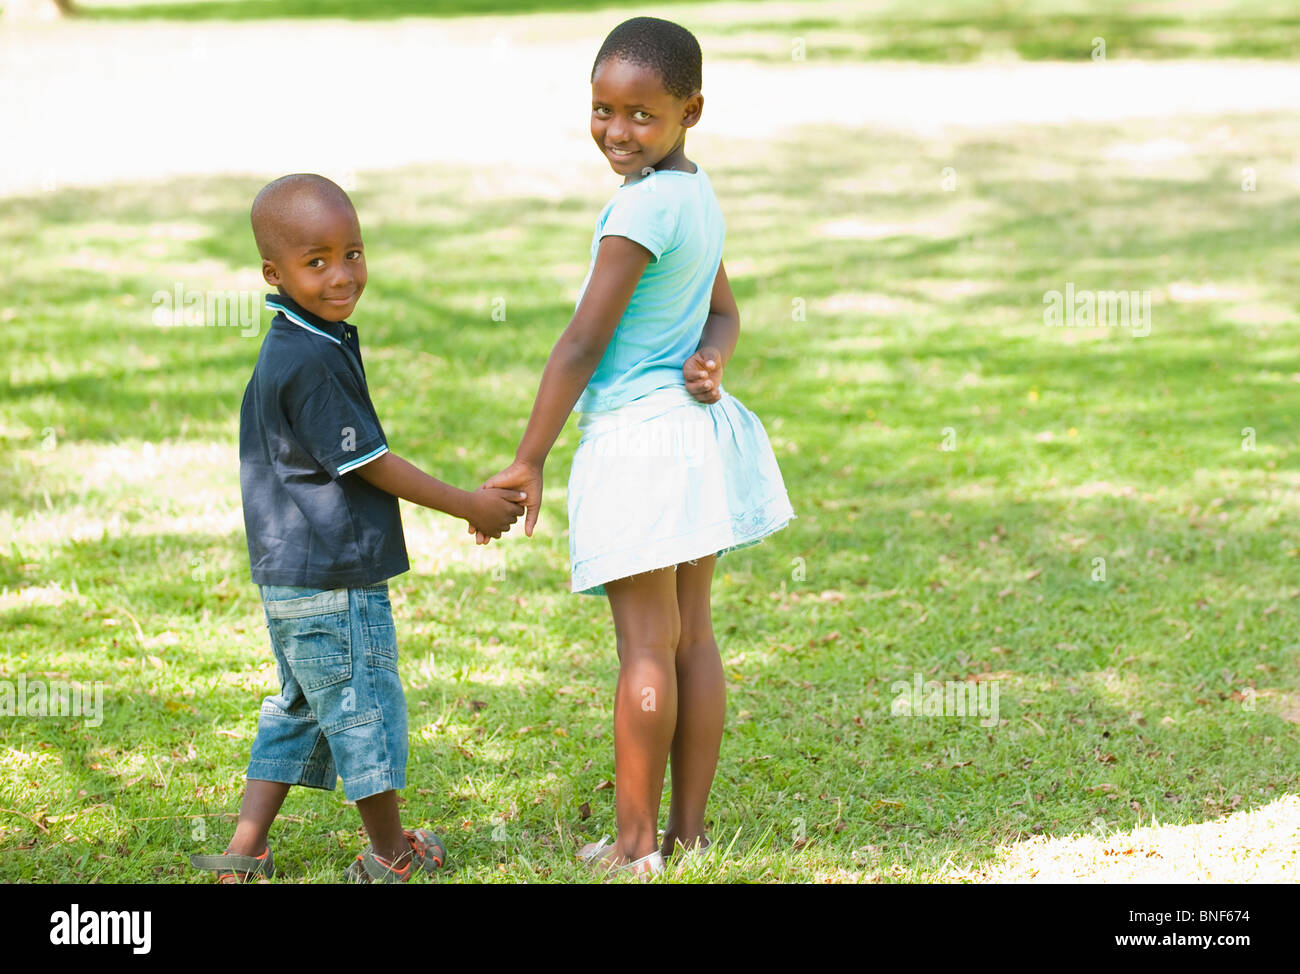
320,488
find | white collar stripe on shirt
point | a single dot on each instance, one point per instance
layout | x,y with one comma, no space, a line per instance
298,321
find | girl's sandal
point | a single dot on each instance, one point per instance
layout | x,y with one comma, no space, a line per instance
594,855
427,855
681,851
644,867
594,852
231,868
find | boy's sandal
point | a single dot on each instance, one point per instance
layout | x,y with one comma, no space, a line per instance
427,855
232,868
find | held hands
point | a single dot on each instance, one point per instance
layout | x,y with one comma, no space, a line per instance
521,479
703,374
492,511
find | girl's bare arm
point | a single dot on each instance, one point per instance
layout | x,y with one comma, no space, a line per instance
703,370
619,265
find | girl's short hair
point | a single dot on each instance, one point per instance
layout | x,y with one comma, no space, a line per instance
668,48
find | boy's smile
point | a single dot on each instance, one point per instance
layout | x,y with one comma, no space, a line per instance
635,122
320,261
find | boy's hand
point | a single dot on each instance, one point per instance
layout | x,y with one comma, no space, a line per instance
703,374
492,511
525,477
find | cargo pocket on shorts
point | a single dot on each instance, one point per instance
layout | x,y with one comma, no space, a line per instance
381,634
314,633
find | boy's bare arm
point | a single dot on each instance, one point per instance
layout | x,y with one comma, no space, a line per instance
489,511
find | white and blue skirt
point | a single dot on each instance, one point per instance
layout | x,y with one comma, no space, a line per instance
666,479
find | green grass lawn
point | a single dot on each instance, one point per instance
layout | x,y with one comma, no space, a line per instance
938,30
878,311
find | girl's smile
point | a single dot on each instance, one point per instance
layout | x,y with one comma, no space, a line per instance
635,122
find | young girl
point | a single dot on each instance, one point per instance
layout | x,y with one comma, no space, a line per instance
670,471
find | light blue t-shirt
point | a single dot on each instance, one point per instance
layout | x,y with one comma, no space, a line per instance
675,216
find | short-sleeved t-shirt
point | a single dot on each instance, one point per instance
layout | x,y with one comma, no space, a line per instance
306,424
674,215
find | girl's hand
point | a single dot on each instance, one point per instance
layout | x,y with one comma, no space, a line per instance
703,374
525,477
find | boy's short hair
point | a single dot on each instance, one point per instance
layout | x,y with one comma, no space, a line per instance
668,48
279,201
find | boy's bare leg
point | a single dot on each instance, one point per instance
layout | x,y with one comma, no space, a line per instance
262,801
701,707
383,824
645,705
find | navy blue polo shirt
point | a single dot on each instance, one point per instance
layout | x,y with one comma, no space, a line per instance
306,424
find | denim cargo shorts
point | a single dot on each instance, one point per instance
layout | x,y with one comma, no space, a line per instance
340,712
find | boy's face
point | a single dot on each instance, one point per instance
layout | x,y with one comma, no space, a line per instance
634,121
320,261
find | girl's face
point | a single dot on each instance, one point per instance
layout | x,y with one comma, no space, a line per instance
634,121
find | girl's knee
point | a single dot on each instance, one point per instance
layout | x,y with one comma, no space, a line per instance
647,649
692,647
658,636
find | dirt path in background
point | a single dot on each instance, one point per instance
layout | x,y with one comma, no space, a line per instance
87,103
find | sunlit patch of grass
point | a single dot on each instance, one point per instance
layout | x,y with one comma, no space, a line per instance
1257,845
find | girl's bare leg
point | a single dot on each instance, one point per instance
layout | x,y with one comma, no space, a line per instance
701,707
647,628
